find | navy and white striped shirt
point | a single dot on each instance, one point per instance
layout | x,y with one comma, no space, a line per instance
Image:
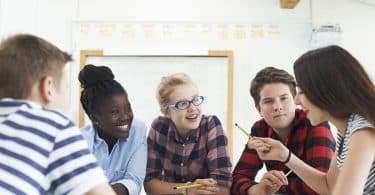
355,122
41,151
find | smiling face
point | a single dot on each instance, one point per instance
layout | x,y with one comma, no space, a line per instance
189,118
276,105
314,113
114,116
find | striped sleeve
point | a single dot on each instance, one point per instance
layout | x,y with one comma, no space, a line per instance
357,122
71,165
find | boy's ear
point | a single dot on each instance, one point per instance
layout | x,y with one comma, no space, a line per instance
47,89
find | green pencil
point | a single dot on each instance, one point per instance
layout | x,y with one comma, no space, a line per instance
251,137
244,131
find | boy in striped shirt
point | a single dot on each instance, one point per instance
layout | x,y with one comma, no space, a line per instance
41,150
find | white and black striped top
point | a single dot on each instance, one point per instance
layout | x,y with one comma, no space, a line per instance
355,122
42,152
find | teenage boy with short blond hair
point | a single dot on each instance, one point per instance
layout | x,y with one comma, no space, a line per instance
41,150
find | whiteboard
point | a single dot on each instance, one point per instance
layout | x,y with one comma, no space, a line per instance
141,75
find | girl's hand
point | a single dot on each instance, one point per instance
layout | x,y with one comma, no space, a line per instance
258,145
269,149
209,187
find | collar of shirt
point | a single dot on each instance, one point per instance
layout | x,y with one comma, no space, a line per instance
191,137
98,141
10,105
16,103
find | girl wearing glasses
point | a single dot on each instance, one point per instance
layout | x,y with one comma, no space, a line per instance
184,145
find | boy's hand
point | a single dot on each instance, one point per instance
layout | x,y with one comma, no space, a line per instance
273,180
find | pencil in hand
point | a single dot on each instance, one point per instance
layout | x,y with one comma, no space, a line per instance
186,186
244,131
289,172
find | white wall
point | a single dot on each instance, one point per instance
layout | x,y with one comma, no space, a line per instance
357,23
58,21
51,20
190,11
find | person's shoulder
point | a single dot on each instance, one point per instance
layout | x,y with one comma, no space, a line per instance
260,124
87,131
313,131
210,121
49,118
260,128
139,126
356,122
301,116
209,118
138,123
160,127
161,122
302,121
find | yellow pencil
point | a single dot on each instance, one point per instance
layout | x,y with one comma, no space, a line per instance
185,186
244,131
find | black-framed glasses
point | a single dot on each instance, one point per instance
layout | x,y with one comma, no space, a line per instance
184,104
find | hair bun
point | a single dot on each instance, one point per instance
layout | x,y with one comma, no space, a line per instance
91,75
